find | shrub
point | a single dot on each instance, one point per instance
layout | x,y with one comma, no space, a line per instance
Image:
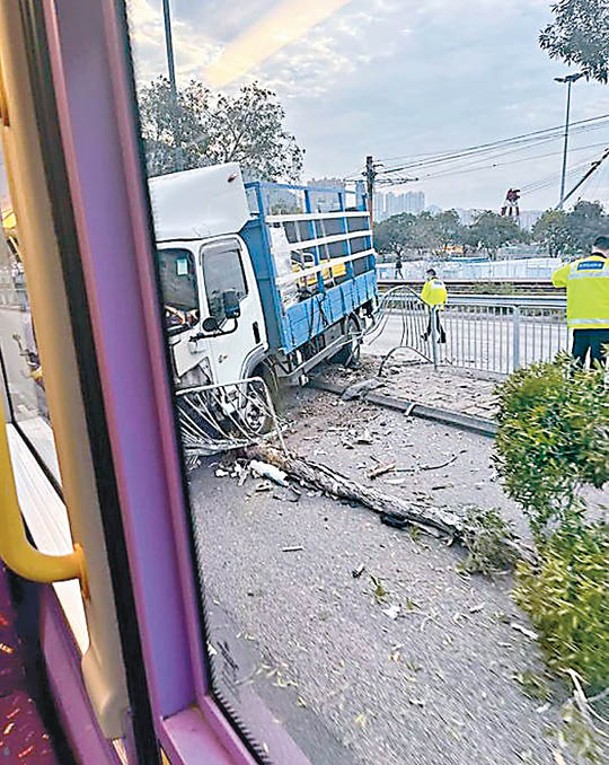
566,599
553,438
487,537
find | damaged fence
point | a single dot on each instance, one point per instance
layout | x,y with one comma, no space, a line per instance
490,333
217,418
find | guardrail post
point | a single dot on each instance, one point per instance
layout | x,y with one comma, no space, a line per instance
433,317
515,338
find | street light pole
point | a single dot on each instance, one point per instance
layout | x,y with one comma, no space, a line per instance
173,90
569,79
171,65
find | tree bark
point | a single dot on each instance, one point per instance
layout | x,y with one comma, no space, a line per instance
319,476
330,481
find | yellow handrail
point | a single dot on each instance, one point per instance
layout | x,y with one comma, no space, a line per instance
15,549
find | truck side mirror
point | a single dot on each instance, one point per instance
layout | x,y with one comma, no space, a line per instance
230,304
210,324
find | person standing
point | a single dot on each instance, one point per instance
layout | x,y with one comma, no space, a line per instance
434,295
587,283
398,266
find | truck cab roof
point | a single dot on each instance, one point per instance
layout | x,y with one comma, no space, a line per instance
200,203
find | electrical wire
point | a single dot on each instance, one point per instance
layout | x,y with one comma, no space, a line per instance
495,151
477,167
503,141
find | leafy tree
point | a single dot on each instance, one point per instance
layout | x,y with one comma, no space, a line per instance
206,128
426,234
580,35
173,133
449,228
394,235
584,223
491,231
423,234
552,231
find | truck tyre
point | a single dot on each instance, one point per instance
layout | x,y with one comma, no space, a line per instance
349,354
258,419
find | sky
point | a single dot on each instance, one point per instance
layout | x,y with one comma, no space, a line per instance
394,79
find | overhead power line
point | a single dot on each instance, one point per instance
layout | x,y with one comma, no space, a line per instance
477,147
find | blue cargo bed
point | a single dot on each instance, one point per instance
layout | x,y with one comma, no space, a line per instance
337,268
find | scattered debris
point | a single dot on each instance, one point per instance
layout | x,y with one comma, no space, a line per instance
444,464
380,593
381,470
357,572
417,702
392,612
360,389
364,438
286,494
524,631
265,470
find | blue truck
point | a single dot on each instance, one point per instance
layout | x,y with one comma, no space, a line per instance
259,279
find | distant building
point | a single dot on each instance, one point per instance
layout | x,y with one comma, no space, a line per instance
389,203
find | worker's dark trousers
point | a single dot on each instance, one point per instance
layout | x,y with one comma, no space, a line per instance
441,334
591,340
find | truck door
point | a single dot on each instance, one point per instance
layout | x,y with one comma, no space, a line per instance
183,310
226,265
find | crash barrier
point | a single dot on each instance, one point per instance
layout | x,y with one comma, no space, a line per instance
490,333
218,418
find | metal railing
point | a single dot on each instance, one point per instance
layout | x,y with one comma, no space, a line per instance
489,333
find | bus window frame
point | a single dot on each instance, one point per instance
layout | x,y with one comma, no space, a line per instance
90,53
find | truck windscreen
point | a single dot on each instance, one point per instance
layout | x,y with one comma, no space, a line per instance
179,286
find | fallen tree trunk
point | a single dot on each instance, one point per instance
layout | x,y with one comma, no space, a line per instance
391,509
320,476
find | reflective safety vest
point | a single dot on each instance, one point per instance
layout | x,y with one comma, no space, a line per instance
587,283
434,292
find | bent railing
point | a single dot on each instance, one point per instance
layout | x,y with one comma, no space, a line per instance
490,333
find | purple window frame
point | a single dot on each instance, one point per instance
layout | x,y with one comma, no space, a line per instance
88,51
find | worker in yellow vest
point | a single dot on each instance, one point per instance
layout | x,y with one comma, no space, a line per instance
434,295
587,283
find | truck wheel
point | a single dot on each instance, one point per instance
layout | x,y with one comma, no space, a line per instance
349,354
256,414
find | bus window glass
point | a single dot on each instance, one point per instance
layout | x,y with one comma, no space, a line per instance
21,366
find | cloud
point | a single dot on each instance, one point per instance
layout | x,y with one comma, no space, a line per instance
286,23
386,77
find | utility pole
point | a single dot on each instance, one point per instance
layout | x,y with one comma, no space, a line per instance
569,80
173,90
370,174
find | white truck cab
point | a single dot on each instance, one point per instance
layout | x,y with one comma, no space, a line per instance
248,290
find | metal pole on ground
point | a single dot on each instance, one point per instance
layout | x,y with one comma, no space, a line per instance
433,316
